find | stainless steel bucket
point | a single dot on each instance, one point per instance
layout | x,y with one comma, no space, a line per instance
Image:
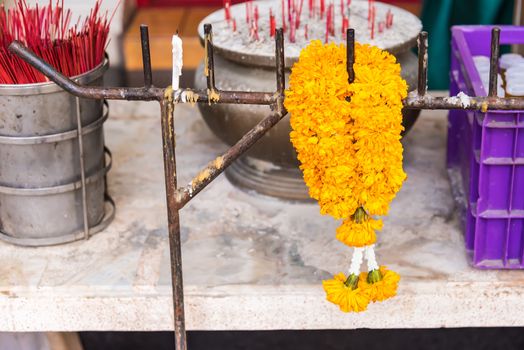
42,198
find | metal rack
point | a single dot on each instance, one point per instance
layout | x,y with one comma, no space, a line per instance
178,197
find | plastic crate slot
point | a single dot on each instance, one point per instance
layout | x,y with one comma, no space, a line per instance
503,161
501,214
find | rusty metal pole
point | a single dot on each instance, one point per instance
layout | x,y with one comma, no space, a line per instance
209,65
146,56
422,63
173,218
350,54
493,63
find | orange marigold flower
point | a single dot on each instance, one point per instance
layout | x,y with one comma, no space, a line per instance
350,152
383,289
347,298
361,234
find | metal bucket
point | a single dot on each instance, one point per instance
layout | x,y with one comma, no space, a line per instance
52,182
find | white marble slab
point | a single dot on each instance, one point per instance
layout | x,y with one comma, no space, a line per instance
250,262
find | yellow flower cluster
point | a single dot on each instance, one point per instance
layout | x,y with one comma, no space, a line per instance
350,152
347,138
356,299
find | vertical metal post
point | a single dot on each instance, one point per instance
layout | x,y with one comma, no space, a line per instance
350,47
168,142
82,167
493,65
280,61
146,56
209,66
422,63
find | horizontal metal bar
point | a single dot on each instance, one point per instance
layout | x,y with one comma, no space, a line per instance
414,101
145,93
217,96
96,92
217,166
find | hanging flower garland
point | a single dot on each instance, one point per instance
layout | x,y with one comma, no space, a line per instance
347,137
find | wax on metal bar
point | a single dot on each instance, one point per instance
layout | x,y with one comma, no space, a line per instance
494,59
234,97
422,63
146,56
413,101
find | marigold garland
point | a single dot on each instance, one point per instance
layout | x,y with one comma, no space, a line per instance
347,138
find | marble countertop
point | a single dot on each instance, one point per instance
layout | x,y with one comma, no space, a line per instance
250,262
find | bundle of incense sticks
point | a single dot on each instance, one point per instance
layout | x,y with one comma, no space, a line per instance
72,49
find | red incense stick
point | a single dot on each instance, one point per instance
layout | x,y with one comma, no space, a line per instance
292,28
272,23
227,10
283,16
373,22
345,25
299,14
306,36
255,23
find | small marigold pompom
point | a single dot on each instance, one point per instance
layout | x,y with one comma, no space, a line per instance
343,295
361,234
383,289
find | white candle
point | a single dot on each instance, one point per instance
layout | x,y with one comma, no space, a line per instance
177,61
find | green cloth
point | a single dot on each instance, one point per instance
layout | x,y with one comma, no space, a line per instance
437,18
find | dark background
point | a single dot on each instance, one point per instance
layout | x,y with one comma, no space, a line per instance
364,339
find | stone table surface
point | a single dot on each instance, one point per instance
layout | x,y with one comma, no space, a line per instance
250,262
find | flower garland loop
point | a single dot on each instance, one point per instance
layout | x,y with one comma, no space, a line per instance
347,138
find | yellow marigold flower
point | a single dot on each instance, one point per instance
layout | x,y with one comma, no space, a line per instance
383,289
361,234
350,152
347,298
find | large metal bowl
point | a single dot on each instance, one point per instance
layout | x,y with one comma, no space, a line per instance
271,166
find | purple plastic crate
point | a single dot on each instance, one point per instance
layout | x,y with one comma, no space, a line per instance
486,158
